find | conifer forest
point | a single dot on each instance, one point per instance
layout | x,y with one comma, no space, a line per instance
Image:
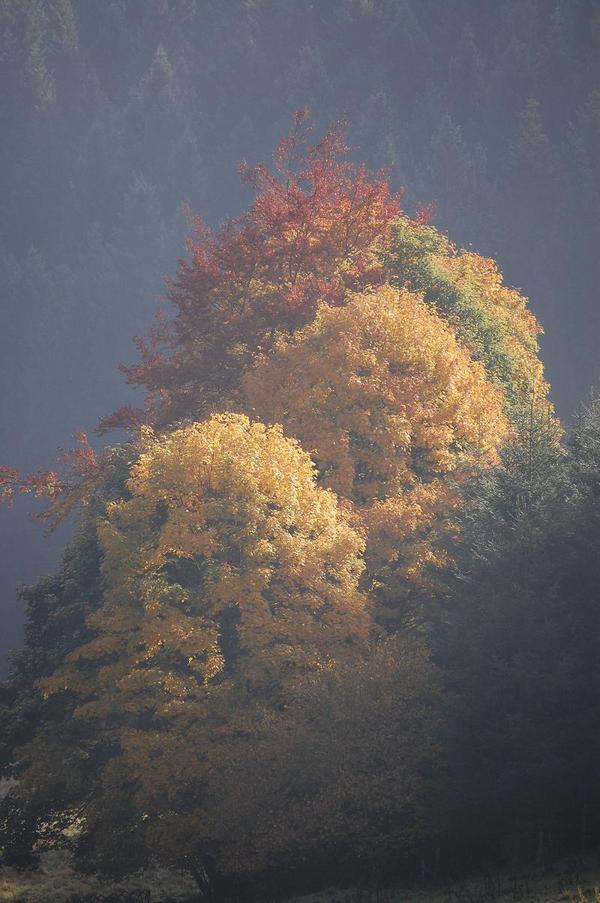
300,459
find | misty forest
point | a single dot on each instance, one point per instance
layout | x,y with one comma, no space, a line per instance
300,462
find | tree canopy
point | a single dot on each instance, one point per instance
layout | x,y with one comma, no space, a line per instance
346,462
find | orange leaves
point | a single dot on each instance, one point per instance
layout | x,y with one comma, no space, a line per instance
405,551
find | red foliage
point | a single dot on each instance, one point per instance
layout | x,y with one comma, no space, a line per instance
425,214
9,478
310,235
125,417
78,473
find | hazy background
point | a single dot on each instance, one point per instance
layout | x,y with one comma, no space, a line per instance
115,113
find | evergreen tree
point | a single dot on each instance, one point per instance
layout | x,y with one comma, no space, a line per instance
519,609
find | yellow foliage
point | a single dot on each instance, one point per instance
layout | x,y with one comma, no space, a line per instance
404,553
383,393
517,327
491,319
226,569
397,414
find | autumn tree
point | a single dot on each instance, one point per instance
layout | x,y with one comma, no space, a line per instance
232,559
228,576
383,394
490,318
506,143
312,233
396,413
333,377
320,231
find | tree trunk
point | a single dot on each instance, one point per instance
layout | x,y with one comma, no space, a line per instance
539,856
584,826
436,864
209,887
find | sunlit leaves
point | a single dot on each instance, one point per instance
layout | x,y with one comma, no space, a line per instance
491,318
383,393
227,564
396,413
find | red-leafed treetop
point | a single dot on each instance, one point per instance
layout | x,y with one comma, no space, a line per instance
310,235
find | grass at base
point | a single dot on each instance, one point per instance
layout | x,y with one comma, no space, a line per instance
58,882
568,881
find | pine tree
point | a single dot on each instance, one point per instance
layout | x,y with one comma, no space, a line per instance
514,649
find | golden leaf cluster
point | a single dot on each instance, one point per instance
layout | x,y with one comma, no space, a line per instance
227,570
